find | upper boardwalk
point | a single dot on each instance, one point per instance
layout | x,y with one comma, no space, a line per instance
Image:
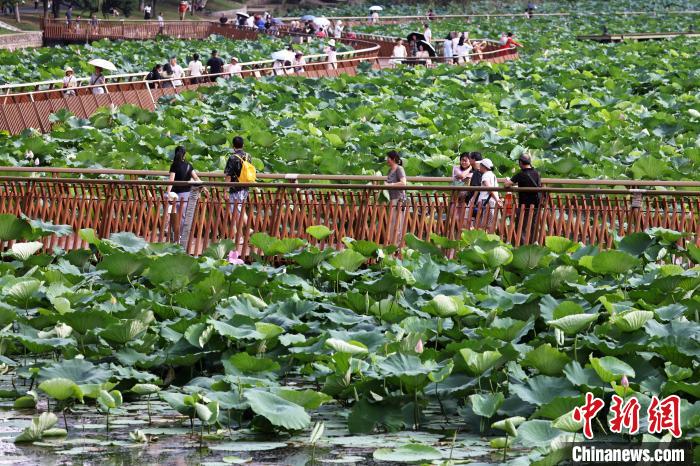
30,105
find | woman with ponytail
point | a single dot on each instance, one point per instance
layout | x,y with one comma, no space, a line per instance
180,170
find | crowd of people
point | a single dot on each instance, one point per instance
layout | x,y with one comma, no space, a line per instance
474,207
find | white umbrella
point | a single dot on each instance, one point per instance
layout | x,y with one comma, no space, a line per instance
322,22
283,55
245,15
375,8
104,64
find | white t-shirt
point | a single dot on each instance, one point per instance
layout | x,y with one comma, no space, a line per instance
231,69
338,32
399,51
178,72
489,180
196,68
332,56
69,81
250,22
299,64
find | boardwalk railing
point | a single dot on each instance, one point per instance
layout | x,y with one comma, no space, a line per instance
592,216
302,178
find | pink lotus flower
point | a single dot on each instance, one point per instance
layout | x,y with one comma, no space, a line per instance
233,258
624,382
419,346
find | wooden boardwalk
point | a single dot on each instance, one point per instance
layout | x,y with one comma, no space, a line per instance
30,105
637,36
359,211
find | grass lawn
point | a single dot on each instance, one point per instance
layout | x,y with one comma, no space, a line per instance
27,24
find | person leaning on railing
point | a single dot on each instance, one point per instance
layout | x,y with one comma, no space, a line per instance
69,82
488,200
397,197
154,76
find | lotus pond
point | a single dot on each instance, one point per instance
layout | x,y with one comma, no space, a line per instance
352,356
585,110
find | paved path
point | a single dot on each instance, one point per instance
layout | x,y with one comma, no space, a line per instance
9,27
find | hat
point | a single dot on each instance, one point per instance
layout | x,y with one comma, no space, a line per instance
487,163
234,58
525,159
68,68
331,42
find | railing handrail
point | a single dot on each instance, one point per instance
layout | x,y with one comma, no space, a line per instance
347,187
8,87
496,15
315,177
145,83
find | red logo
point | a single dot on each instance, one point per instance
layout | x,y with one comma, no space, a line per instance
665,415
587,412
662,415
624,415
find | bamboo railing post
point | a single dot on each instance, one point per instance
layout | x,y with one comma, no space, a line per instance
192,202
104,219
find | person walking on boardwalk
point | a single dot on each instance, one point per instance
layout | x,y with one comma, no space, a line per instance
427,33
196,68
528,202
232,173
488,200
447,49
182,9
215,65
180,170
96,79
147,12
232,68
174,72
397,197
161,23
461,176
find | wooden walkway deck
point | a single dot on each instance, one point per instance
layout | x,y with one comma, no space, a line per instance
592,216
637,36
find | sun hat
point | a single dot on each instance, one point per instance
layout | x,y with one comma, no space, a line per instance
487,163
331,42
234,59
68,69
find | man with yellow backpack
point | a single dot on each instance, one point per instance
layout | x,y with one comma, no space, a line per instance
239,170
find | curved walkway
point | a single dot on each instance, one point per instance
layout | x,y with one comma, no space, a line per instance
29,105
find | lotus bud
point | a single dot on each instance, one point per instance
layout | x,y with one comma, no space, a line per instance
419,346
29,155
36,161
113,300
624,382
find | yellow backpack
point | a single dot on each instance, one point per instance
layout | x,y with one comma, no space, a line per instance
248,172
